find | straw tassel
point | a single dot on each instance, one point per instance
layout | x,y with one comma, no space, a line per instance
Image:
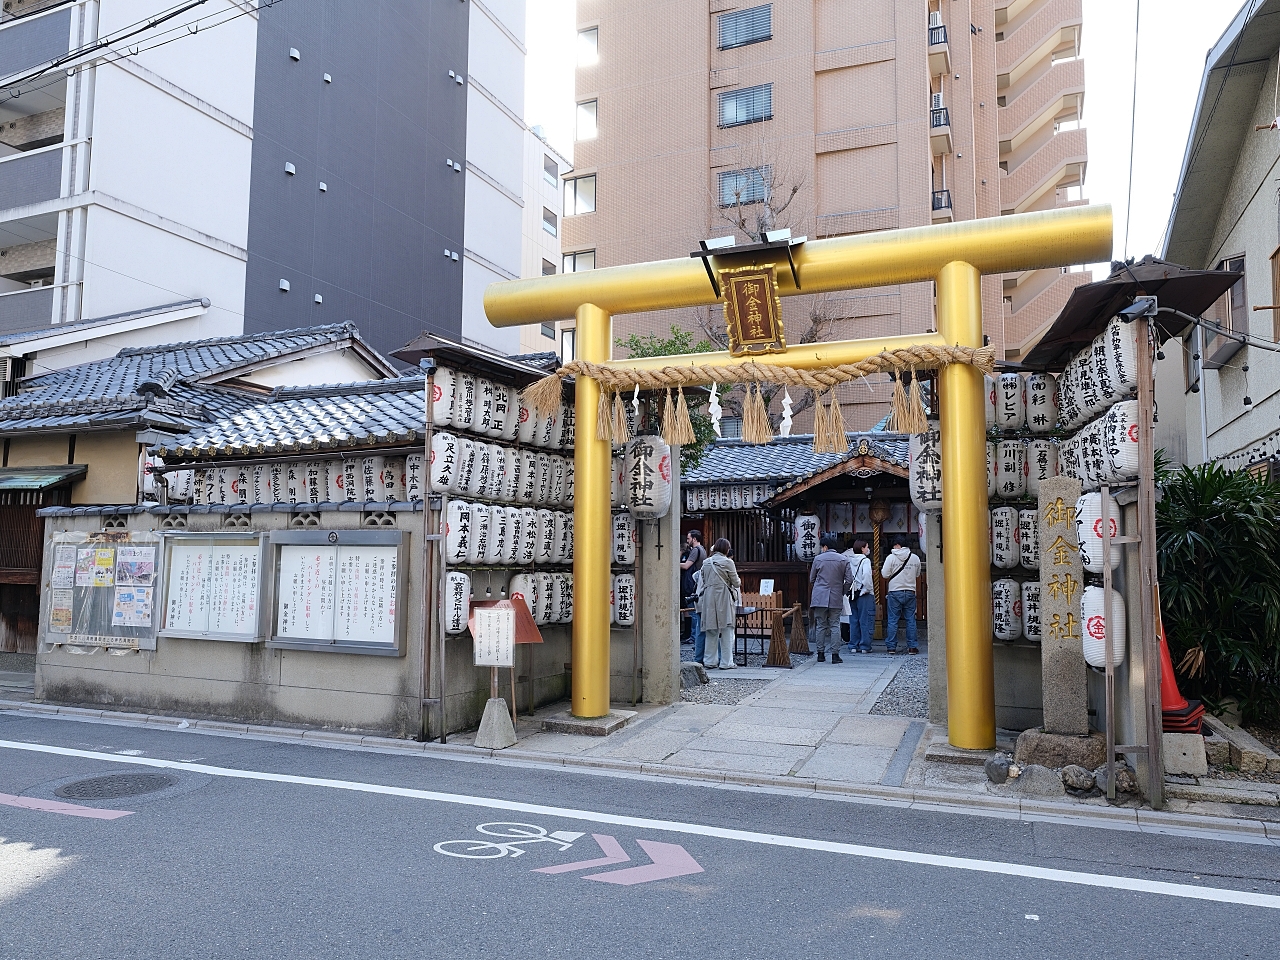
821,435
835,425
683,430
668,420
621,430
755,418
543,398
604,429
898,407
918,423
799,639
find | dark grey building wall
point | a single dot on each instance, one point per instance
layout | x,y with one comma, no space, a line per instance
372,244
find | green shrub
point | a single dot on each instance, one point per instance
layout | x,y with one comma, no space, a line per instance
1218,535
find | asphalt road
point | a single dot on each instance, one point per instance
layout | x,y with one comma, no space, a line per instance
265,849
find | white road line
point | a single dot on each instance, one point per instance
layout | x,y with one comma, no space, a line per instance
1188,891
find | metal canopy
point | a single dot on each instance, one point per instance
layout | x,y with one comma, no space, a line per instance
40,478
476,359
1093,304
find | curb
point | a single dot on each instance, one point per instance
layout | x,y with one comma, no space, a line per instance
1142,820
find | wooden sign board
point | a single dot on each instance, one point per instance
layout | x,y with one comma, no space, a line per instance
752,311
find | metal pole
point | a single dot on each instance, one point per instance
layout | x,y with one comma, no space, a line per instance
1204,406
593,463
1106,642
424,678
971,714
635,623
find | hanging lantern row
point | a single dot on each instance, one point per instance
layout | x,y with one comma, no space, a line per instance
466,402
1015,538
349,480
1093,614
479,534
741,496
466,467
1017,402
1015,610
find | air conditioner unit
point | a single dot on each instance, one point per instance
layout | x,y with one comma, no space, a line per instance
937,101
935,18
11,369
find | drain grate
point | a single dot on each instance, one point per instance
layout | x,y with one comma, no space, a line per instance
115,786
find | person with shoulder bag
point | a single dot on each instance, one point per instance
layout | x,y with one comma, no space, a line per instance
862,599
901,568
718,601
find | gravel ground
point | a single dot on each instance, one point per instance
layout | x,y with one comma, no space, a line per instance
723,690
753,659
907,694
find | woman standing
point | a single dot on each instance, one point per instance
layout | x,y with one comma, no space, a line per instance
718,604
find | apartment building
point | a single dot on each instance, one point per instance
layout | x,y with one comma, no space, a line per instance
242,166
829,118
544,170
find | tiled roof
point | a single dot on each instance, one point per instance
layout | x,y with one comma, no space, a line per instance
112,393
300,419
786,460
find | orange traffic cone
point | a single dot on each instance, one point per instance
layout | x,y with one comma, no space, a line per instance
1179,715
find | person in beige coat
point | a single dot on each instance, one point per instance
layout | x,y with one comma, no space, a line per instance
718,605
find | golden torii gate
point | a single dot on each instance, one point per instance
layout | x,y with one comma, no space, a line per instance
954,255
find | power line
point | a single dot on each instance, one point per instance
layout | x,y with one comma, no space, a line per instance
1133,122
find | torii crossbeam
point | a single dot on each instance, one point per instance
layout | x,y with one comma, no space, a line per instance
953,255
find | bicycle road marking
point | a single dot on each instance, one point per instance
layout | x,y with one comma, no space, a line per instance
1026,871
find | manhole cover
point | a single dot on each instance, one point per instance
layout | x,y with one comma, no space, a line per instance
114,786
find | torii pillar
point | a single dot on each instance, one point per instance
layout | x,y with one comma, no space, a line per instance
954,256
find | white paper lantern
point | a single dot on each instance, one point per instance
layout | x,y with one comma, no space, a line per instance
527,491
1011,470
511,422
713,498
1068,403
371,478
1006,610
1042,402
808,531
497,472
690,501
924,468
648,477
294,484
1120,347
1094,616
993,454
1120,441
624,539
570,476
352,479
527,545
1005,548
511,462
989,389
444,462
414,477
198,488
561,598
546,600
548,434
485,395
500,410
557,479
335,482
457,602
1089,531
1031,610
545,551
615,483
442,397
562,547
703,497
457,532
1092,399
239,484
499,531
393,481
525,422
480,475
464,401
735,498
524,587
542,490
1092,455
624,599
1011,402
1042,464
567,427
479,545
1029,538
314,482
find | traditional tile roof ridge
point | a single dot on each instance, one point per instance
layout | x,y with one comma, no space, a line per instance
411,381
46,330
785,460
328,331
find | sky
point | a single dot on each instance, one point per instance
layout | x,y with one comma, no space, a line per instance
1175,35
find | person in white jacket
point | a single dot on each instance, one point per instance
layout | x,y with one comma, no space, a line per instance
901,568
861,599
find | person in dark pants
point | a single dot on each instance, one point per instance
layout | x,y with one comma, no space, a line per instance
901,568
862,604
829,580
690,564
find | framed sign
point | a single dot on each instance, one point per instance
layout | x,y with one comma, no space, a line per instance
101,589
338,591
213,587
493,633
752,310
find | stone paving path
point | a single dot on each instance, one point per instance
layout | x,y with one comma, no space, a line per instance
810,722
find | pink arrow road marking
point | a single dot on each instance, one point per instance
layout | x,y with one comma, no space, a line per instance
56,806
613,854
669,860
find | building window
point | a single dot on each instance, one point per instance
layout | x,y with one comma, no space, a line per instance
549,330
744,186
577,262
731,427
742,27
568,346
580,195
588,46
550,170
548,268
1229,312
1275,294
586,129
549,222
748,105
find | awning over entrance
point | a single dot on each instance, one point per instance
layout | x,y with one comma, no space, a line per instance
26,485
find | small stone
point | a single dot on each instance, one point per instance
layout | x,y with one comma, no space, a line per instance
1059,750
1185,755
1077,777
997,768
1217,750
1038,781
693,675
1126,780
1015,771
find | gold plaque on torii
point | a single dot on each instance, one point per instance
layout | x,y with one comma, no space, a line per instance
752,311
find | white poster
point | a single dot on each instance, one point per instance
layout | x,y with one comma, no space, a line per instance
187,604
494,631
233,606
135,566
132,607
307,579
64,567
366,611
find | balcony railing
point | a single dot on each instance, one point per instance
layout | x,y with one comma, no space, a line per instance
31,177
939,117
942,199
937,35
26,309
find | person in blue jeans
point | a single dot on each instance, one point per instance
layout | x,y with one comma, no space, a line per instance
695,623
862,603
901,568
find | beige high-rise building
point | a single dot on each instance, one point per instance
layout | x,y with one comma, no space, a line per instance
828,117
